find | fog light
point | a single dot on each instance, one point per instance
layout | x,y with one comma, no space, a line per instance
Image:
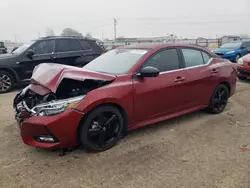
46,138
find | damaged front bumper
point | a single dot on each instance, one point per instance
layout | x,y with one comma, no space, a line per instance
58,131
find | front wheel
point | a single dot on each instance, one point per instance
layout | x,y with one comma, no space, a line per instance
219,99
101,129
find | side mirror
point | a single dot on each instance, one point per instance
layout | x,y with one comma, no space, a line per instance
30,53
242,47
149,72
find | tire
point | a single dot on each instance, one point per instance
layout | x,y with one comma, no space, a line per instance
237,57
242,77
93,129
219,99
6,82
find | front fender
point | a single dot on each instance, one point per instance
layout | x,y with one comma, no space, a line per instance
12,71
117,93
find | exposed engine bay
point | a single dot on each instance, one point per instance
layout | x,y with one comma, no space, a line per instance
28,101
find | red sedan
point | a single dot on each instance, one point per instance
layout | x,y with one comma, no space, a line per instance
243,67
123,89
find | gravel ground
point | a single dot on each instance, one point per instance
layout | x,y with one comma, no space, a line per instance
194,151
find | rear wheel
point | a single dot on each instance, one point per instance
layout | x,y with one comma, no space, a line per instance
219,99
101,129
6,82
242,77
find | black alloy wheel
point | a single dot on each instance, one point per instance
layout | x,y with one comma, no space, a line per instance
102,128
6,82
219,99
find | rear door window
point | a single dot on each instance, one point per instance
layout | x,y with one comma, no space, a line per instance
206,57
86,45
192,57
68,45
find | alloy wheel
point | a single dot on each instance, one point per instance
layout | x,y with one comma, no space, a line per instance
220,99
104,129
5,83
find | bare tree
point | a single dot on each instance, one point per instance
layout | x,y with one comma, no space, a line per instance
88,35
50,32
70,32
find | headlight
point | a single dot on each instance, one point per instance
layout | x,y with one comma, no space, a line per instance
230,52
240,61
56,107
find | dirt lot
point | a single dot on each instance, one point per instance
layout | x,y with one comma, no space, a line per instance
194,151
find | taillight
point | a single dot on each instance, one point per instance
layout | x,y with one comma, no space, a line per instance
102,53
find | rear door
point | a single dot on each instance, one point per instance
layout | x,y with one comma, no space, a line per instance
165,94
91,51
67,51
43,53
202,76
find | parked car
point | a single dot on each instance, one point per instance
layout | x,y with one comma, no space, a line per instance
124,89
243,67
3,49
233,51
18,66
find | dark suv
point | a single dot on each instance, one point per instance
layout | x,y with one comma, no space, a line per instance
18,66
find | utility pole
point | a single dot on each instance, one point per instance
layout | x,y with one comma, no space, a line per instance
115,22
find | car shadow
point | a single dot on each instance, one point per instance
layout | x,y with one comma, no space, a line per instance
147,130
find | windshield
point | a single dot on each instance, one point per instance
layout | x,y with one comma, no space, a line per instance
231,45
22,48
117,61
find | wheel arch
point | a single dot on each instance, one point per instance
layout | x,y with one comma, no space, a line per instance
12,72
116,105
227,85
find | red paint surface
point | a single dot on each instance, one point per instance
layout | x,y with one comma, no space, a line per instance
144,100
245,67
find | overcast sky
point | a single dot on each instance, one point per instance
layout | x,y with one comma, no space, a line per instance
25,19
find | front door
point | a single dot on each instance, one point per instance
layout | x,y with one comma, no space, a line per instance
163,94
43,53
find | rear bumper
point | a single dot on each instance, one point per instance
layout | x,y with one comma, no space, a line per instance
62,127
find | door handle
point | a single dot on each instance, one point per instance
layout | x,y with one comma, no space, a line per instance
214,71
52,58
179,79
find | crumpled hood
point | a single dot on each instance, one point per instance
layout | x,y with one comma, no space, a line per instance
49,75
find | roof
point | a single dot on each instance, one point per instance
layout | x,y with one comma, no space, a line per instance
162,45
66,37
